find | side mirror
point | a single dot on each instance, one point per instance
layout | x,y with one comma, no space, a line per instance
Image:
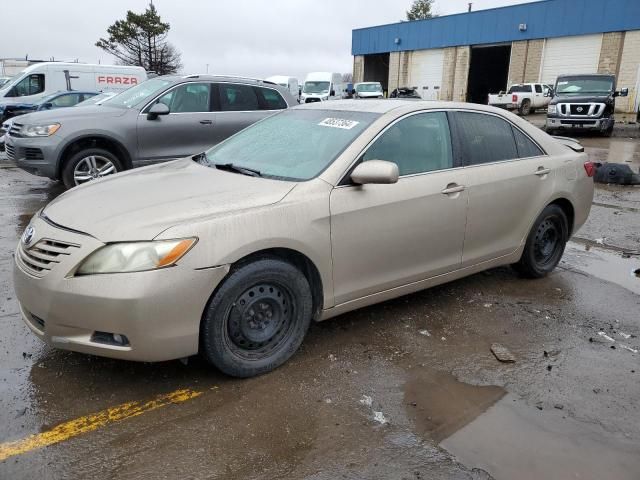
332,93
157,110
46,106
375,171
624,92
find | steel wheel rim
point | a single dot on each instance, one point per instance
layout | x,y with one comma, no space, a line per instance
260,321
547,241
92,167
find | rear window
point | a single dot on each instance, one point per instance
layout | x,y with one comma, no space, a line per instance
270,99
485,138
237,98
520,89
526,148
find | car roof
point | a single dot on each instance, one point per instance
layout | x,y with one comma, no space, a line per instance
388,105
217,78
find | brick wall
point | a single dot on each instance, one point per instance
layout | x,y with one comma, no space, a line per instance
518,62
628,71
398,60
461,75
610,52
534,60
358,68
448,73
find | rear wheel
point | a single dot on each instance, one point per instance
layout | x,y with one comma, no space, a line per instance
545,243
525,108
257,319
89,164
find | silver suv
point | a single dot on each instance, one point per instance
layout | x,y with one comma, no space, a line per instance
161,119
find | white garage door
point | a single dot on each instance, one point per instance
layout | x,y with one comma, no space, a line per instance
425,72
570,55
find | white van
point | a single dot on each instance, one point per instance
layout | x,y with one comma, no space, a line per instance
42,79
290,83
322,86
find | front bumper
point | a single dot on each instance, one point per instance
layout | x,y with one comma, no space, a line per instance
158,311
569,123
34,155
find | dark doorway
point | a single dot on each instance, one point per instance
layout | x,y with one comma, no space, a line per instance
376,69
488,72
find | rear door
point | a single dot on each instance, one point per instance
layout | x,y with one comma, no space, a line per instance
386,236
240,105
188,128
509,180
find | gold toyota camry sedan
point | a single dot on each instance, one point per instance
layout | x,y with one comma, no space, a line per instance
308,214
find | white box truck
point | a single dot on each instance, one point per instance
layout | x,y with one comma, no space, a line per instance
322,86
290,83
42,79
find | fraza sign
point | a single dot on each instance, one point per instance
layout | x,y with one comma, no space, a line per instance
117,80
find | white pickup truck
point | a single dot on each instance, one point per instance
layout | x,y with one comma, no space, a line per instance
524,97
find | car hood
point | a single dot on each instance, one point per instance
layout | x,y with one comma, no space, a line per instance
370,94
141,203
62,114
580,99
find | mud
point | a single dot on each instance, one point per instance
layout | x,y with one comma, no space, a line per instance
567,407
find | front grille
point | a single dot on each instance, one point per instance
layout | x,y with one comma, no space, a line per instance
311,100
43,256
11,151
33,154
580,109
14,131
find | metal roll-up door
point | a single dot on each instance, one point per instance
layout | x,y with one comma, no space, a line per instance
570,55
425,72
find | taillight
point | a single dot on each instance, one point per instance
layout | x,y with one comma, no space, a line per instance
514,98
590,168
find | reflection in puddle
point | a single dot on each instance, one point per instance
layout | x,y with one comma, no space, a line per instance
513,440
604,264
439,404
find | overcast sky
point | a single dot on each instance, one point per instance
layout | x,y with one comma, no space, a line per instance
244,37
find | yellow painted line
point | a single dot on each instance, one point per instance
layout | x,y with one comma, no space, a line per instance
91,422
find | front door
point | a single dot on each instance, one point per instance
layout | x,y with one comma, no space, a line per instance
188,129
385,236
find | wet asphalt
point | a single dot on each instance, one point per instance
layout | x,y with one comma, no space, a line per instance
408,389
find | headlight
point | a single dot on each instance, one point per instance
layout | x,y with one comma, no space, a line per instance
135,256
40,130
551,109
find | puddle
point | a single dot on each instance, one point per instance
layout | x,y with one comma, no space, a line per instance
604,264
613,150
439,404
513,440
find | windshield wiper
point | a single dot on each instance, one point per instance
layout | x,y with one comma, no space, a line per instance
230,167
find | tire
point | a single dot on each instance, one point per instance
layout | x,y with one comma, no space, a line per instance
545,244
257,319
608,132
525,108
104,163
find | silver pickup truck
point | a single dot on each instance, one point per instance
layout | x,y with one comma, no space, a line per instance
524,97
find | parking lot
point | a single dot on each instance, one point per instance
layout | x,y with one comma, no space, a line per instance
405,389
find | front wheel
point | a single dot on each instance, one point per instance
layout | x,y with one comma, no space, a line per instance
545,244
257,319
89,164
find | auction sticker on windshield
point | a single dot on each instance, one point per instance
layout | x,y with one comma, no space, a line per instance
338,123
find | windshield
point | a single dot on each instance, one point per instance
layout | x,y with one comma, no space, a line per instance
520,88
369,87
3,81
316,87
139,94
294,144
584,85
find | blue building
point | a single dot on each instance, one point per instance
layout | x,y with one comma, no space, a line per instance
466,56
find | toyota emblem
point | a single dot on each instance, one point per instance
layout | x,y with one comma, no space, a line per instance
579,109
27,237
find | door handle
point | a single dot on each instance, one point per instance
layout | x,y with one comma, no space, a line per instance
542,171
206,122
453,188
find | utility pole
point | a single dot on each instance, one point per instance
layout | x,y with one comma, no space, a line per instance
207,68
470,5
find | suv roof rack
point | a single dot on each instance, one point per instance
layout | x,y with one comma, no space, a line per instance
198,75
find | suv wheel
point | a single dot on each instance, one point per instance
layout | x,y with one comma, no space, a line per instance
257,319
545,243
89,164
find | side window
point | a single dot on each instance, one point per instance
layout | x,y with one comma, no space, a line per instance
526,148
419,143
270,99
188,98
68,100
235,97
485,138
31,85
538,88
